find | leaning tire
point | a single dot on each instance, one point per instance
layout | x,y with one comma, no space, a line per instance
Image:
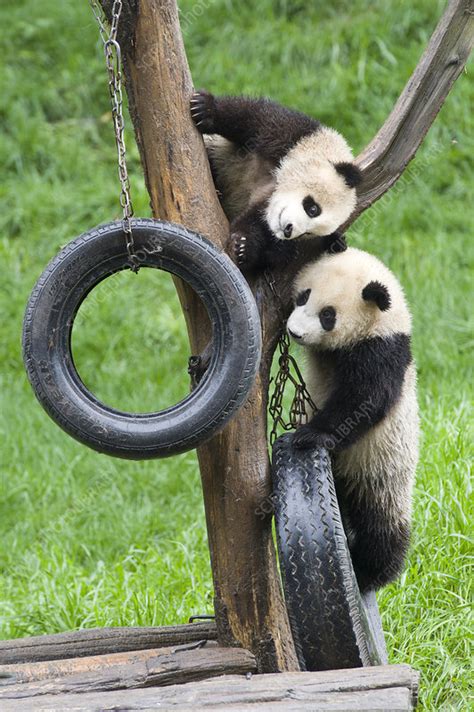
333,626
49,319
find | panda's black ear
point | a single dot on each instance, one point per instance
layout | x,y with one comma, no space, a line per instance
378,293
351,174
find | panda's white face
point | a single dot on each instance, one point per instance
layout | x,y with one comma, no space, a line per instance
317,206
314,187
344,298
331,321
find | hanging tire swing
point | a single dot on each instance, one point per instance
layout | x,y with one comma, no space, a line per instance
132,244
49,320
333,625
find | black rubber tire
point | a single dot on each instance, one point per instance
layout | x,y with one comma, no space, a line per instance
333,626
49,318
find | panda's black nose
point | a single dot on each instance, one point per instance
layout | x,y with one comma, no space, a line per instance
293,335
288,230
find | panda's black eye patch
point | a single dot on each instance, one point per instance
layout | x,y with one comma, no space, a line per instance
327,317
302,297
311,208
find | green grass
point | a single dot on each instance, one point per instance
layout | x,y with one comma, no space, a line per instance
88,540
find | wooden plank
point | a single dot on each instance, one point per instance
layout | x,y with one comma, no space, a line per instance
169,668
45,669
101,641
388,687
395,699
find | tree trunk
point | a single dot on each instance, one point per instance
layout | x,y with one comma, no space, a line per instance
235,464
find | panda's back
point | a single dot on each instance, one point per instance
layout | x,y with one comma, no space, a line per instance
242,177
383,461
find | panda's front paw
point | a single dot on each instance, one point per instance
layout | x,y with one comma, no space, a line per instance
243,251
238,245
203,111
335,243
306,437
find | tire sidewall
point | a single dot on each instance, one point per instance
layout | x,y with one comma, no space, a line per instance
62,288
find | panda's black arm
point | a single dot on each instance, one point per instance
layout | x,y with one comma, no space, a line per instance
369,379
257,125
254,247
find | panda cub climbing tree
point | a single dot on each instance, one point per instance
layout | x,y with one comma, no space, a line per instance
285,181
280,175
351,317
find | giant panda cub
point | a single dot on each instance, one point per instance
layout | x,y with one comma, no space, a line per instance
352,319
280,175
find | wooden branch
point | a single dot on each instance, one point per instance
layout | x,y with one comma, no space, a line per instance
235,465
390,687
154,668
390,151
100,641
235,478
46,669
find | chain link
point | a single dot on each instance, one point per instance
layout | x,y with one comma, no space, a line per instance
113,60
288,370
302,402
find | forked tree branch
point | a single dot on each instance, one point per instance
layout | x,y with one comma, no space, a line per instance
388,154
235,464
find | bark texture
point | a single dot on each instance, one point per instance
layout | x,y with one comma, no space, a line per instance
100,641
147,683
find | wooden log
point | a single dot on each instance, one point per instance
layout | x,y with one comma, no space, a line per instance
167,667
388,687
101,641
30,672
235,477
395,699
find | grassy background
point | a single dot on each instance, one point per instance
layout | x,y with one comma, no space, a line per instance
88,540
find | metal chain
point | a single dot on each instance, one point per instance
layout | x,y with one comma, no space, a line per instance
113,60
298,411
302,402
286,363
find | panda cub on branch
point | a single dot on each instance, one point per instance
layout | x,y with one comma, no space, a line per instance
352,319
280,175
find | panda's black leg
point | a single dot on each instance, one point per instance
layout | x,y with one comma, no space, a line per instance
248,239
257,125
252,245
381,541
204,112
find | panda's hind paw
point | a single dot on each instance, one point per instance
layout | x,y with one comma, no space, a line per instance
203,108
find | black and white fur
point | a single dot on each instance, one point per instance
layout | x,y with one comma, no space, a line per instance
352,318
280,175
